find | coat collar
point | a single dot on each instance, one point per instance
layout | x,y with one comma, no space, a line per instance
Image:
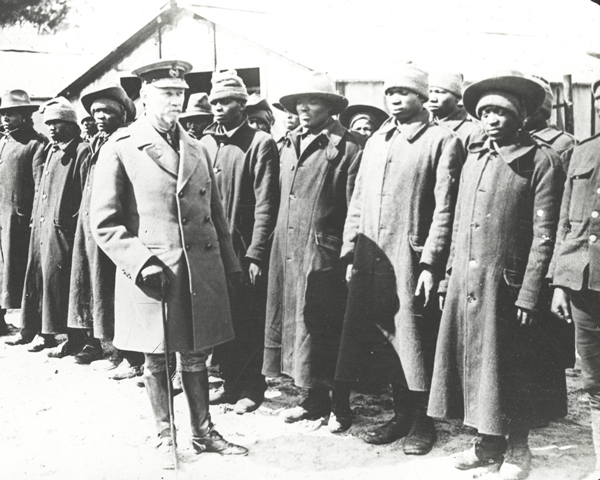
547,134
508,153
454,121
216,129
146,138
409,130
333,133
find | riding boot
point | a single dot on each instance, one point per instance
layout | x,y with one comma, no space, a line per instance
204,436
156,386
340,418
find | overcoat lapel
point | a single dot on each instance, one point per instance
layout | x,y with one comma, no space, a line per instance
189,158
146,138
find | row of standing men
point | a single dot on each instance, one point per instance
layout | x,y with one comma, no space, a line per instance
384,226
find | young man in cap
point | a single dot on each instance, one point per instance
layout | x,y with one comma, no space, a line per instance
445,94
576,266
91,299
246,166
290,123
89,129
306,291
53,222
396,242
159,218
197,116
260,115
538,127
363,119
21,160
494,367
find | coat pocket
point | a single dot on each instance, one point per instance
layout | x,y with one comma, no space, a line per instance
512,278
580,182
416,243
327,254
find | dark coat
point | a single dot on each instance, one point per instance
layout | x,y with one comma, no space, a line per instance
306,292
488,369
151,205
53,222
578,239
467,130
21,159
561,142
92,290
399,220
246,166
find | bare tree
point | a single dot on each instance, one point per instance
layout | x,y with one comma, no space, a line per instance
45,14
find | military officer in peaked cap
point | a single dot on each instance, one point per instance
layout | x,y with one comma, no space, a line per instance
159,218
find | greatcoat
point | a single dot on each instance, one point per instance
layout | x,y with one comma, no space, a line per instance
399,220
92,289
467,130
561,142
21,159
53,221
489,370
306,292
151,205
246,166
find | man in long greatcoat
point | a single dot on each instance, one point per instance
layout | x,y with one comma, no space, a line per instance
159,218
396,241
306,291
246,166
46,292
495,366
21,160
91,297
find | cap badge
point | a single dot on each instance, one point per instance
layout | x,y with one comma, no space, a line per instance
173,72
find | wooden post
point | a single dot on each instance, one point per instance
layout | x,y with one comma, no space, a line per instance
568,100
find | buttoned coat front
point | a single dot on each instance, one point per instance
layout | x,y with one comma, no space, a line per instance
53,221
400,219
22,157
306,292
149,204
489,370
92,285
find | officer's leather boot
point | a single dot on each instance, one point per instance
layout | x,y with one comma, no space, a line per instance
422,434
156,386
204,436
400,424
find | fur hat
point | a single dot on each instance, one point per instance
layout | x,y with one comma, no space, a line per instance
227,85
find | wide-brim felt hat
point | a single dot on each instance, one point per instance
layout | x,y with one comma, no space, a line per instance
255,102
316,85
377,113
17,99
198,106
115,93
530,92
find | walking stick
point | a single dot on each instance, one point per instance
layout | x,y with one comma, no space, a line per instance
163,305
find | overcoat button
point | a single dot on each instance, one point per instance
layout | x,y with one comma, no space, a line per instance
208,246
188,247
593,238
183,221
203,191
180,194
207,219
595,214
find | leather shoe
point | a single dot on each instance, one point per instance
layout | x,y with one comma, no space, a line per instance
304,411
164,451
517,463
421,437
213,441
39,343
217,396
396,428
18,340
88,354
125,370
484,453
340,418
246,404
64,350
8,329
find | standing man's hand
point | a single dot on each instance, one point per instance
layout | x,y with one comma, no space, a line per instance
525,317
154,276
254,271
441,301
561,305
426,286
349,272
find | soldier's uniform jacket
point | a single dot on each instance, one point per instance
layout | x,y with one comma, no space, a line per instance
150,204
561,142
578,238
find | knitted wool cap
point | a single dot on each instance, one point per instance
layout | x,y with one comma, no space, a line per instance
59,108
227,85
449,81
408,76
546,107
505,100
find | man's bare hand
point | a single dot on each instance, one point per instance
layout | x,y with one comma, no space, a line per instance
426,286
254,271
349,273
561,305
525,317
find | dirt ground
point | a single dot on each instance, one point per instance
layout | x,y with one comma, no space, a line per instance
60,420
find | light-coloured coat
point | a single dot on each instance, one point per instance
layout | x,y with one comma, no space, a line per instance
149,204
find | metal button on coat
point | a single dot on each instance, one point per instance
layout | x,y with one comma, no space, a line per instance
203,191
595,214
184,221
180,194
208,246
598,191
593,238
473,263
188,247
207,219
